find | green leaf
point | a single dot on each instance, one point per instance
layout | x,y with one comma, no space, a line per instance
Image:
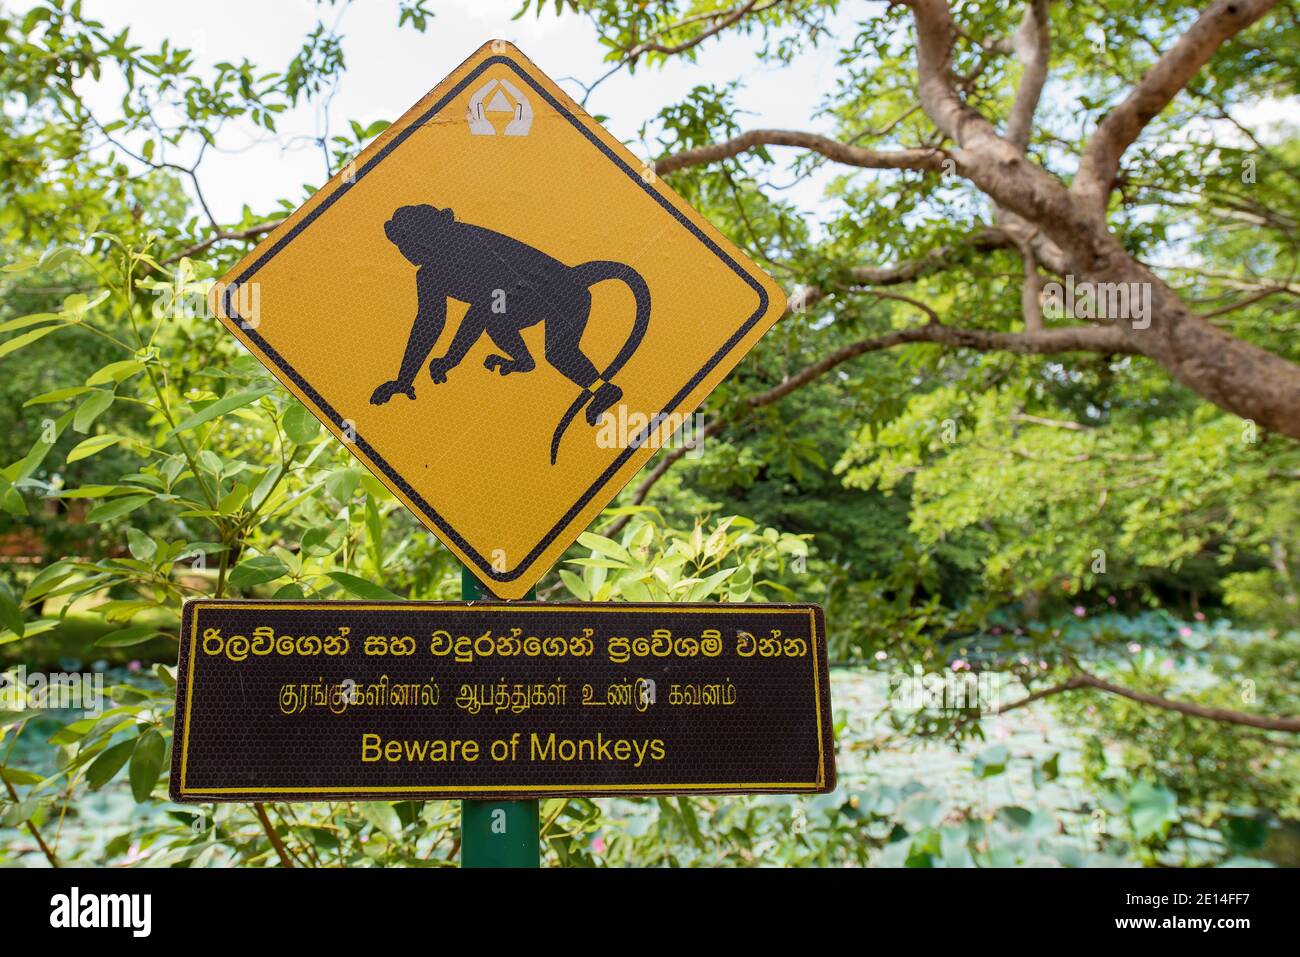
105,767
234,500
342,483
141,545
26,339
19,776
11,616
220,407
96,491
704,588
575,584
300,425
1016,817
118,507
1151,808
921,811
58,395
992,762
116,372
605,546
210,462
22,322
691,821
320,540
362,588
126,637
257,571
92,445
48,578
91,407
382,816
146,764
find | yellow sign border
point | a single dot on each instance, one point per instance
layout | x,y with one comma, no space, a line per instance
194,607
511,582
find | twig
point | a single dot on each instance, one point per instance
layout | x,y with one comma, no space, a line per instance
280,850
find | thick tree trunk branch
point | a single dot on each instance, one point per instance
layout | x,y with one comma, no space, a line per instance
1070,237
1232,373
1033,44
1221,21
924,159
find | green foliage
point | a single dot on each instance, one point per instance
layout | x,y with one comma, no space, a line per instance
954,510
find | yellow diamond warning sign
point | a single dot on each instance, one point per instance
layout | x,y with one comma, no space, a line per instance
501,311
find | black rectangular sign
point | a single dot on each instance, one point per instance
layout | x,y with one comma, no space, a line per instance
321,701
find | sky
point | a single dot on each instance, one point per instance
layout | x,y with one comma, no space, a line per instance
388,70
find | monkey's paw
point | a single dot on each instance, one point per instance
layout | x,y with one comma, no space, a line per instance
496,363
390,389
439,368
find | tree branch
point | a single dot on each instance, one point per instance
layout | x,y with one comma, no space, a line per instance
1085,680
31,825
1221,21
280,850
1102,339
721,20
916,158
252,232
1033,44
941,257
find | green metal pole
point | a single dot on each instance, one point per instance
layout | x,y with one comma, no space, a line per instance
497,833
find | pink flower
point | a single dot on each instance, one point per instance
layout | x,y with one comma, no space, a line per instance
1134,647
1199,616
959,665
598,845
1185,632
1112,600
134,666
1079,611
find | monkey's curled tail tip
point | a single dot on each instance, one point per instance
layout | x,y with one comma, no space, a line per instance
604,397
583,397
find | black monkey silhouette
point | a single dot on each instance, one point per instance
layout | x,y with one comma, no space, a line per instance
509,286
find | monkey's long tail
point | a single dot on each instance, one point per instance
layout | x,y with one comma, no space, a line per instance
591,273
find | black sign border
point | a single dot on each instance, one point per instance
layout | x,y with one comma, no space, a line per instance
481,563
185,681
